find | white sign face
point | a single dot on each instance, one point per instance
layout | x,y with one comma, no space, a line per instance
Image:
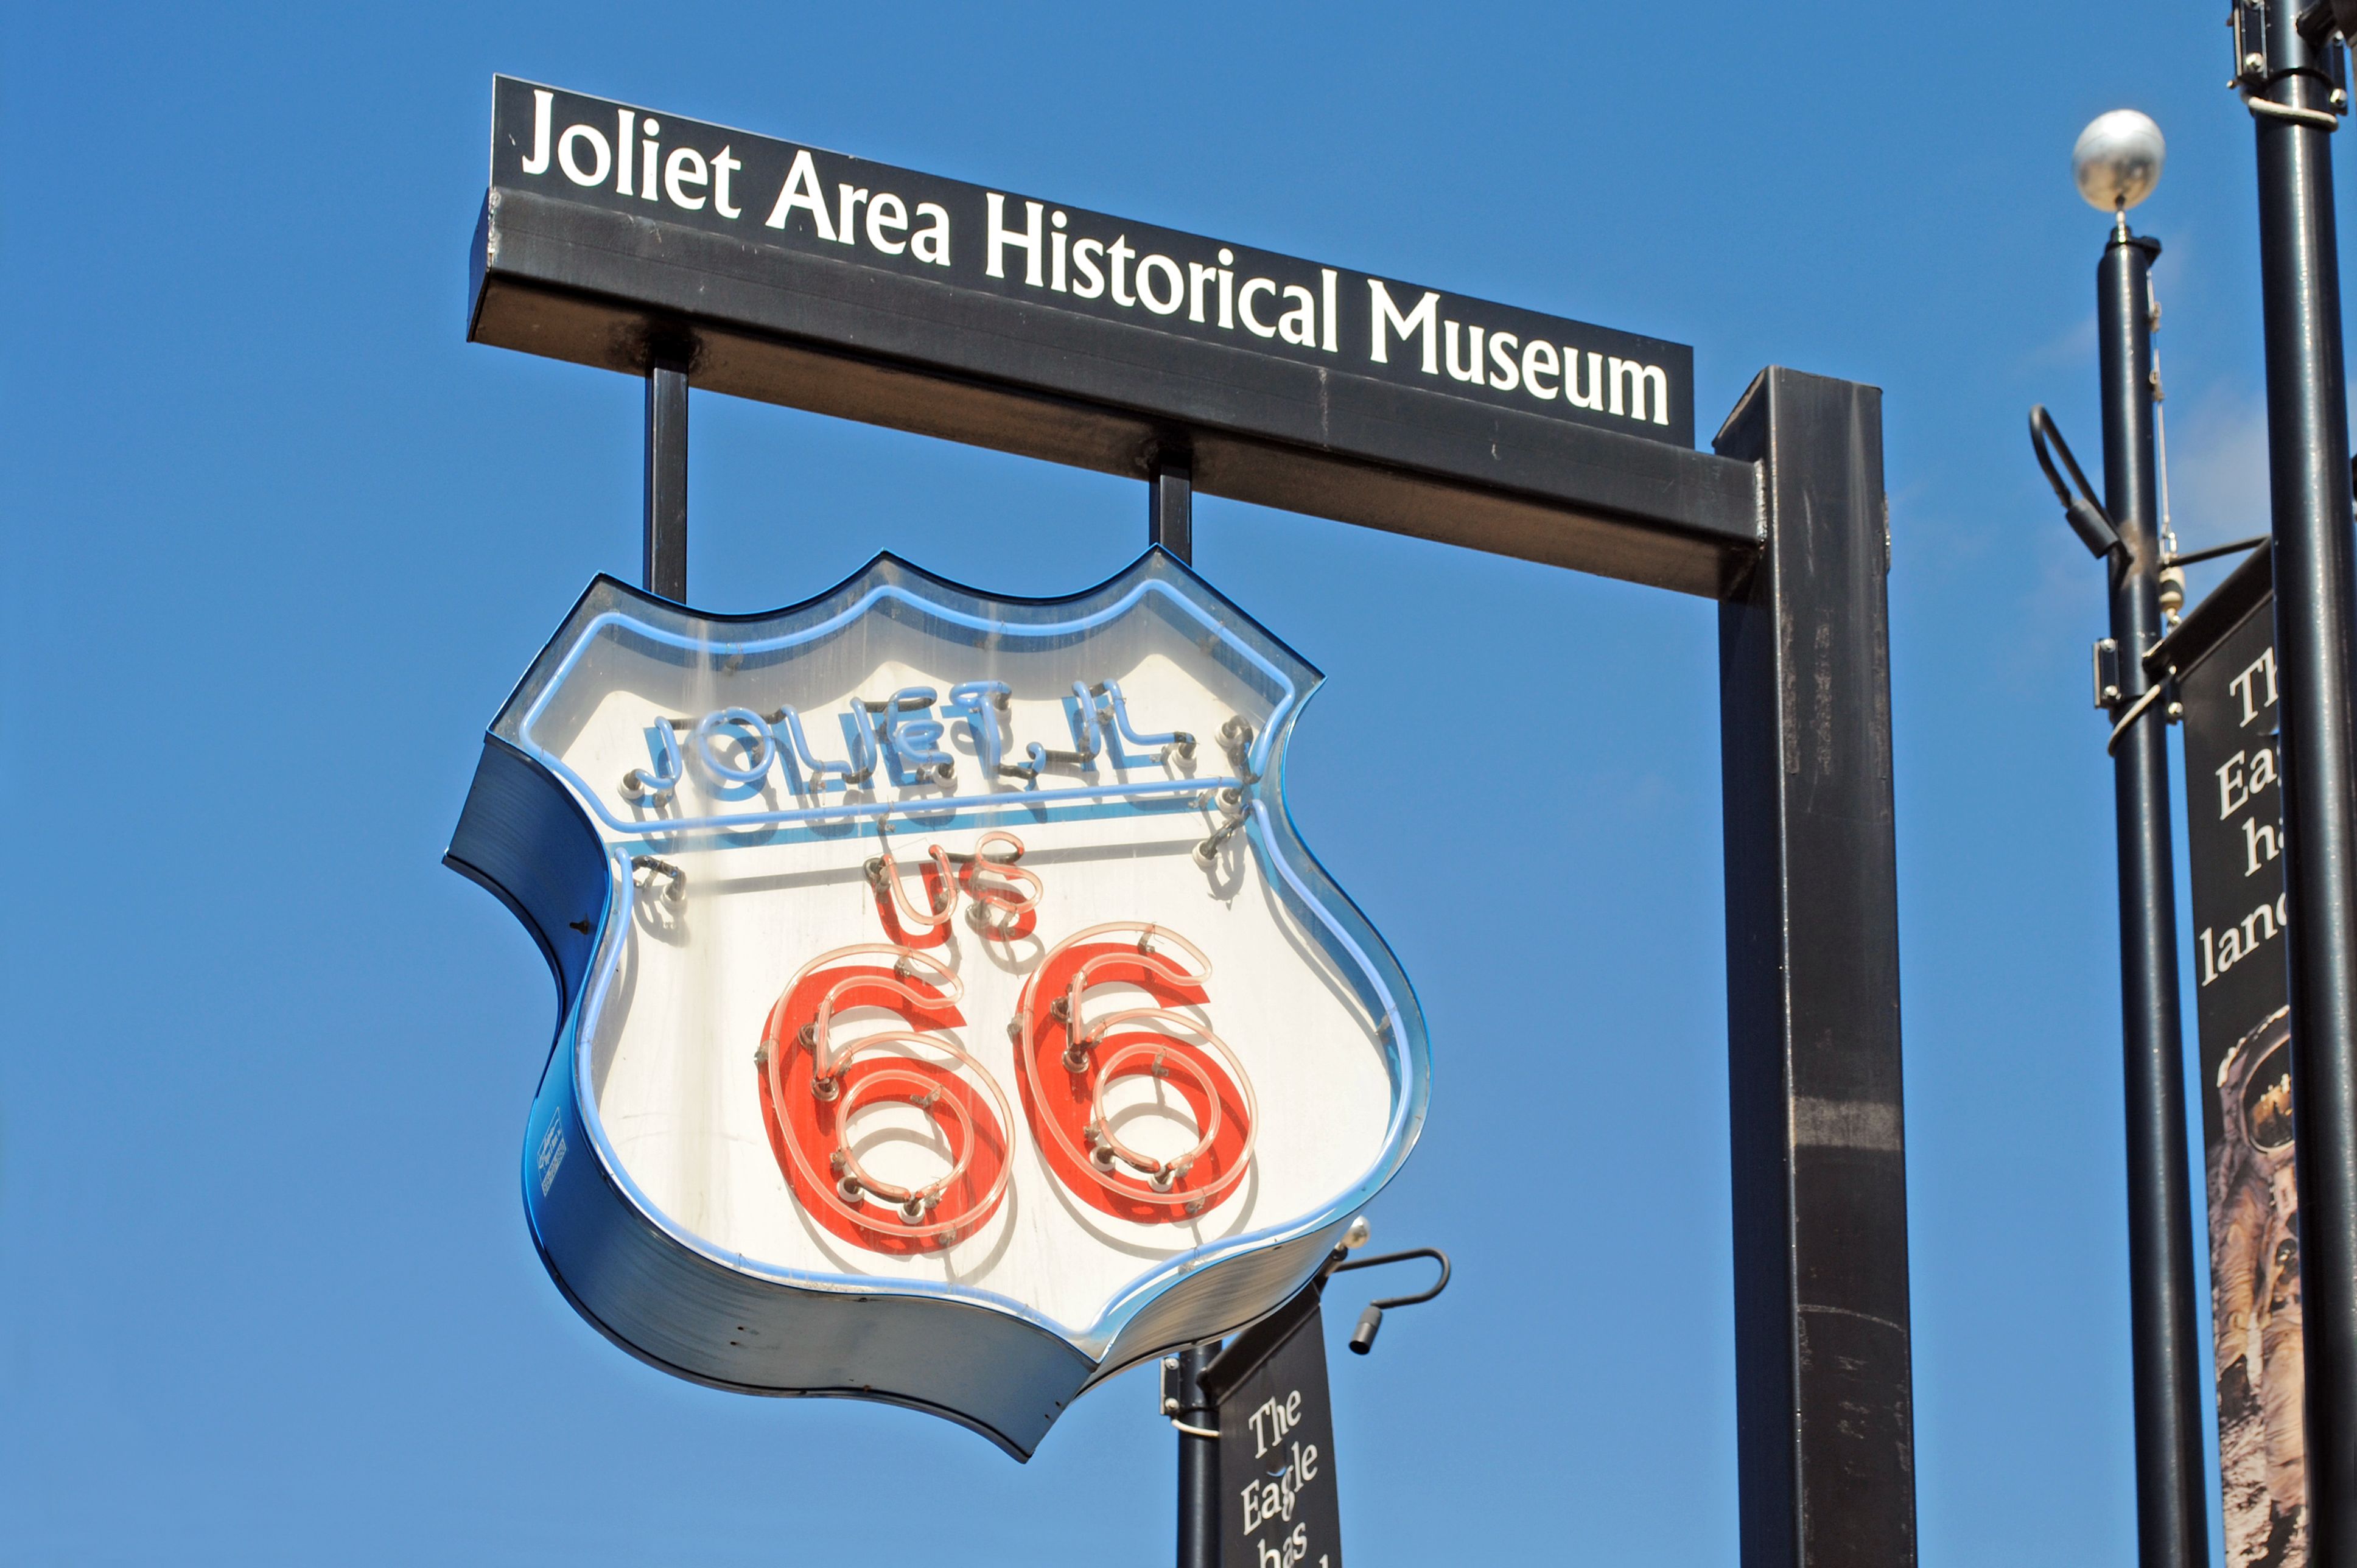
963,1020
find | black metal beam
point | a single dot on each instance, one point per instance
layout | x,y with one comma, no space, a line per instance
666,488
2308,471
2172,1517
1824,1412
597,287
1170,505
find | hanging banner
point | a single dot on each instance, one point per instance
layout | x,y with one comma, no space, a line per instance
1278,1505
2235,842
951,1015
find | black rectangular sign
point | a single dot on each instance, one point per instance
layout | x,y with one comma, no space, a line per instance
616,236
2234,842
1057,257
1279,1508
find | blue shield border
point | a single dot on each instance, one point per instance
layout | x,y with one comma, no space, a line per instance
714,1317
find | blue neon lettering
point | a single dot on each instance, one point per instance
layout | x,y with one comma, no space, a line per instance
915,742
856,735
751,733
789,723
1085,728
664,746
1111,689
975,701
893,733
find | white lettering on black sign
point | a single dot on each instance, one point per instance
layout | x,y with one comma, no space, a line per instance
1278,1506
2246,784
813,202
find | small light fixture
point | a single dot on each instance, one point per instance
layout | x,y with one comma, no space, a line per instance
2117,160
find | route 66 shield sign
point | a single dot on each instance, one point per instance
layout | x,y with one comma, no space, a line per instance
950,1014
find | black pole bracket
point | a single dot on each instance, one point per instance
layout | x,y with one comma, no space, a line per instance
2084,513
1362,1337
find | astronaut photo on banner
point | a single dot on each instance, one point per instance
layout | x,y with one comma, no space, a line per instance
2255,1284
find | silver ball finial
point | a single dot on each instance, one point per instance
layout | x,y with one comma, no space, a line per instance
2118,158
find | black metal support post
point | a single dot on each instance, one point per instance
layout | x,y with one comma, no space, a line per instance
2307,470
666,532
1825,1405
1170,523
2172,1528
1170,505
1198,1465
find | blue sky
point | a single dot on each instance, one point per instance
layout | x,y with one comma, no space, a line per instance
278,541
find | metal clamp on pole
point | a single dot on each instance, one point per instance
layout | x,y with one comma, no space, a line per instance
2313,27
1175,1403
2136,711
2268,108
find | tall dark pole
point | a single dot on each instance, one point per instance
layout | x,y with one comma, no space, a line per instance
1823,1398
2172,1518
2308,474
1170,523
666,520
1199,1464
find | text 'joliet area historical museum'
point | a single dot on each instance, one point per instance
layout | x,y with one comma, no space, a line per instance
1230,751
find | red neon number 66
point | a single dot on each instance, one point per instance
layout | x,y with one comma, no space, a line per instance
1073,1049
812,1085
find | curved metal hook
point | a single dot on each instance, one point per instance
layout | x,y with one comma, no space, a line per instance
1435,1253
2084,513
1370,1321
